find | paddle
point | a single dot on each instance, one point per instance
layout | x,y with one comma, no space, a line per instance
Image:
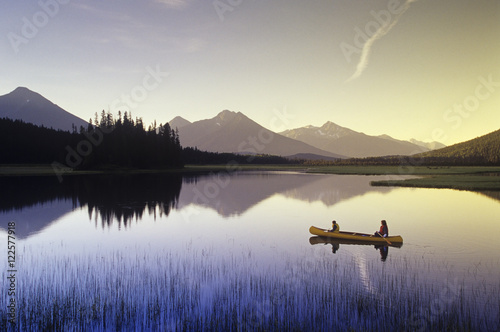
384,238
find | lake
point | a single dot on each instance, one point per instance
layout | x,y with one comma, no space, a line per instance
232,251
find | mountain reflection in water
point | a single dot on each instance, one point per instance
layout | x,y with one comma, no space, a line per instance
35,202
235,194
124,198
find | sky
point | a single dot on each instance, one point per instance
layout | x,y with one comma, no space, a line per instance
423,69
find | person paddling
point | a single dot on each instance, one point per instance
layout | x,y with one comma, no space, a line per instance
384,230
335,227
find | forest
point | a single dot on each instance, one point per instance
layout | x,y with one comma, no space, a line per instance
415,160
484,150
195,156
107,142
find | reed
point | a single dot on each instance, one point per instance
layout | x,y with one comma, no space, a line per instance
200,290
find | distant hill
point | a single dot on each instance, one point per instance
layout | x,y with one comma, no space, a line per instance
31,107
336,139
481,150
430,145
236,133
427,145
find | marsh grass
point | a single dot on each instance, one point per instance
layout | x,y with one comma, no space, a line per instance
404,170
460,182
193,290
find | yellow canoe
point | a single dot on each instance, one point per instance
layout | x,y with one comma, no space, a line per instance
352,236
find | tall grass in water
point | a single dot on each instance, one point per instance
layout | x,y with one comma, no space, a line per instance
170,291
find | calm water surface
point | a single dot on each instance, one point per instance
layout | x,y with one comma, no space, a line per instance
233,251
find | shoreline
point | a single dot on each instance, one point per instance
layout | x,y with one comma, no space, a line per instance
473,178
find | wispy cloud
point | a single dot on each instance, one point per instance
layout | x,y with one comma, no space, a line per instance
381,32
98,11
174,3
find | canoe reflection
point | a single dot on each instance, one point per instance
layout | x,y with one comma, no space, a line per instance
383,249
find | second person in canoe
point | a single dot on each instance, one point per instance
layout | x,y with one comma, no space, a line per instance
384,230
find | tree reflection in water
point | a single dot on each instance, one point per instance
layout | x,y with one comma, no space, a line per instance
108,198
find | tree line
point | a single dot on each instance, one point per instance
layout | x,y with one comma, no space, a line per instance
26,143
123,142
484,150
416,160
107,142
198,157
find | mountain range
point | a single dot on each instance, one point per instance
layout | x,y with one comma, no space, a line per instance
334,138
31,107
231,132
234,132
